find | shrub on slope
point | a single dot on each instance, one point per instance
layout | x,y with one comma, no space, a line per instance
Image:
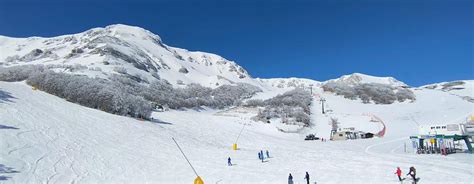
95,93
125,95
378,93
292,107
195,95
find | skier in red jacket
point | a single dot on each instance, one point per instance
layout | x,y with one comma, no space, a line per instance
399,173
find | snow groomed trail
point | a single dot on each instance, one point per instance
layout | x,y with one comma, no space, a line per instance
54,141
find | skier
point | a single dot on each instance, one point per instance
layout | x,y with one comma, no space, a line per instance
307,178
229,163
399,173
259,156
261,153
290,179
268,154
412,173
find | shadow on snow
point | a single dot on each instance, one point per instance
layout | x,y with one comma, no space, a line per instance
6,170
5,96
160,122
8,127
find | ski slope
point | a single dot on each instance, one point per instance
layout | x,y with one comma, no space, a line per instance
53,141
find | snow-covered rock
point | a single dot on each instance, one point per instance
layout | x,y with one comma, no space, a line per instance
134,49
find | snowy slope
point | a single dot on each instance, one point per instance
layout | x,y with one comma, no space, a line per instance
54,141
463,88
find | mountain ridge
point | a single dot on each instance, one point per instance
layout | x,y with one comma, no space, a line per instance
132,50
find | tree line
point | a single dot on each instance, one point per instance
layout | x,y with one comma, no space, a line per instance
122,95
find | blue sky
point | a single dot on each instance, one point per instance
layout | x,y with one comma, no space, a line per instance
415,41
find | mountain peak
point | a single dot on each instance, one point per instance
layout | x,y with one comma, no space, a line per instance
359,78
124,31
125,50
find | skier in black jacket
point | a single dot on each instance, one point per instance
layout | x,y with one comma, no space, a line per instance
290,179
412,173
307,178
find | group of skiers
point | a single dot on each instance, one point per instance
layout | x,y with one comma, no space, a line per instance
261,157
412,173
290,178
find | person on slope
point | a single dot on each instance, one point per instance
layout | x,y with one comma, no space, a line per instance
259,156
229,162
307,178
268,154
290,179
399,174
412,173
263,156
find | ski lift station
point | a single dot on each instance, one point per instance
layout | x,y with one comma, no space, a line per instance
349,133
444,138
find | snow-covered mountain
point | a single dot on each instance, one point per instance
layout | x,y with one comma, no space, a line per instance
461,88
140,54
134,51
122,49
292,82
358,78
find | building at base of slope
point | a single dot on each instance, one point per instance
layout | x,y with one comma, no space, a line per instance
444,138
349,134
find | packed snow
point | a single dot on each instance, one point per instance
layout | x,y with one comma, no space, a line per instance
45,139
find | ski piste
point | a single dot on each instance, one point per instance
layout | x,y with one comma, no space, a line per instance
54,136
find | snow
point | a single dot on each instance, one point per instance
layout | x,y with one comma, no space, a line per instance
207,69
358,78
463,90
61,142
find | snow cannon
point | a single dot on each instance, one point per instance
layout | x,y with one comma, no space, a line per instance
198,180
234,146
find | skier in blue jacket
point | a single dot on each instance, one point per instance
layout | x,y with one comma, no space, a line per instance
229,163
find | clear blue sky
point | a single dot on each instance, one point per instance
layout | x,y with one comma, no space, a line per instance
416,41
